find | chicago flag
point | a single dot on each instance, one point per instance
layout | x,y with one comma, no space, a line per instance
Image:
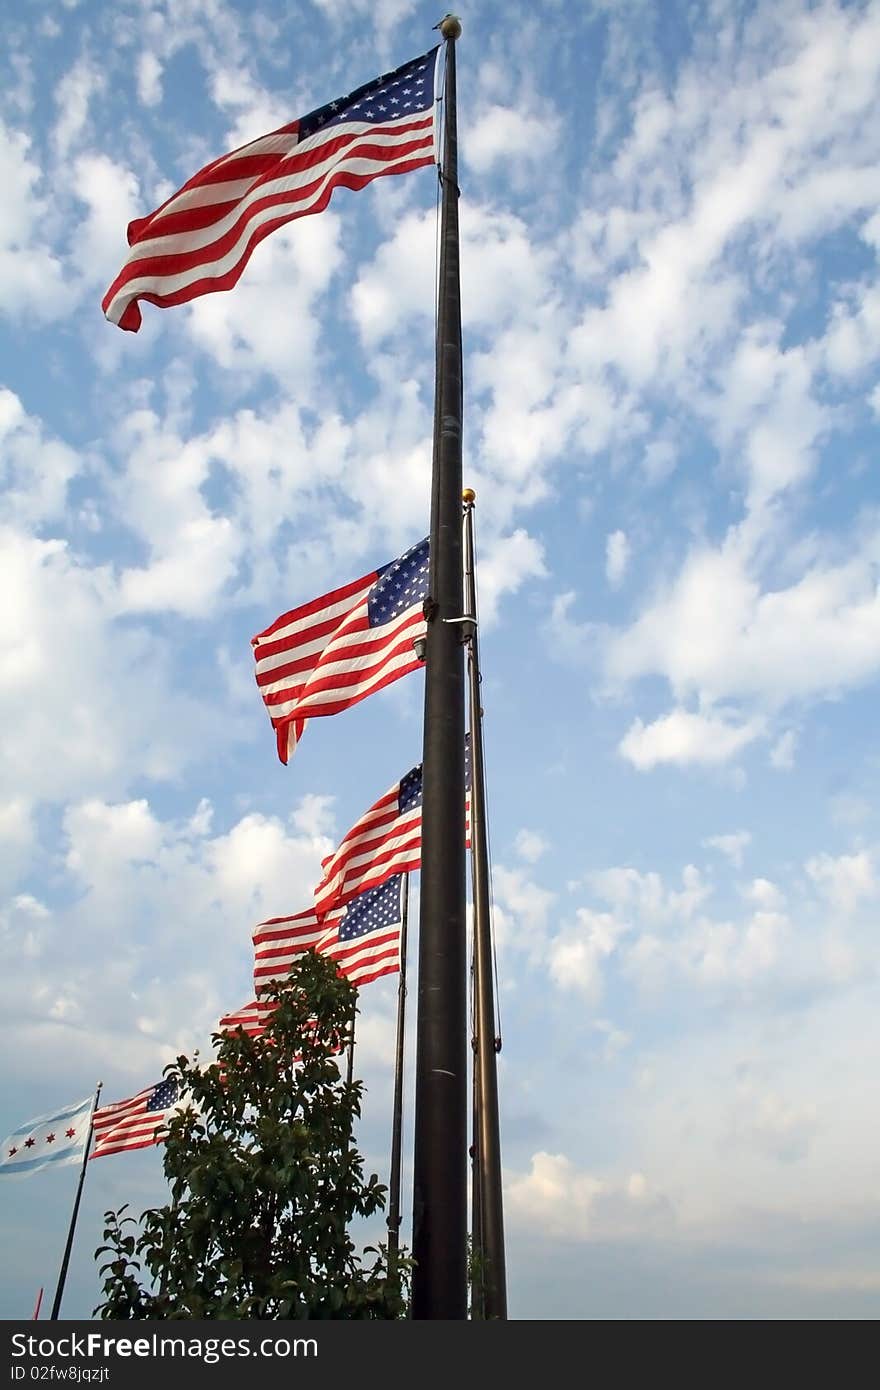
49,1141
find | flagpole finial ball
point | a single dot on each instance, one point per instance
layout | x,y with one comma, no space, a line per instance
468,496
450,26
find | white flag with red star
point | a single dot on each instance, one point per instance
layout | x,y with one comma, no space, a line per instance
49,1141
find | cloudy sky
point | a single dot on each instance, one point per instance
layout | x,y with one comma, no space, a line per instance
671,234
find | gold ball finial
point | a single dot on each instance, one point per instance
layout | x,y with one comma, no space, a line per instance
450,26
468,496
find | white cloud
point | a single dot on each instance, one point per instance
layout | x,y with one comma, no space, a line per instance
398,283
643,897
682,737
571,640
657,934
710,954
522,909
848,809
92,694
314,815
177,905
505,274
112,197
577,954
702,168
783,751
257,329
715,633
17,834
764,415
31,277
851,343
34,470
779,1130
193,553
616,557
731,845
149,78
508,135
506,563
73,97
530,845
845,879
561,1200
275,472
615,1039
765,894
201,558
384,14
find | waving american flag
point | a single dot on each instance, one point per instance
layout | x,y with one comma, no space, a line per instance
202,238
334,651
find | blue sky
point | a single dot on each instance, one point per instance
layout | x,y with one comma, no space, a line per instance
671,231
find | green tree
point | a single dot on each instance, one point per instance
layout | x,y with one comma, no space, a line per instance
264,1180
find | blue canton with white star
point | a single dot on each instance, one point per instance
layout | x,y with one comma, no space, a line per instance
407,91
409,794
373,910
402,585
164,1094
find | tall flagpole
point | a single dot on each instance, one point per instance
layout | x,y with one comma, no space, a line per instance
478,1304
62,1276
440,1149
490,1262
397,1110
350,1072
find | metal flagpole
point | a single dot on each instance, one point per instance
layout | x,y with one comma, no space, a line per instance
478,1309
439,1287
489,1257
56,1306
397,1110
350,1074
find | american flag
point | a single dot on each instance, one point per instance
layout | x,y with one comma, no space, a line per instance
252,1017
334,651
363,938
279,940
135,1123
386,840
201,239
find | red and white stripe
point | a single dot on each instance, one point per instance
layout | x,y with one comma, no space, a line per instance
380,844
287,653
325,657
253,1018
278,941
202,238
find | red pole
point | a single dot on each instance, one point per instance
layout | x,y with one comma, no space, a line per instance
37,1308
